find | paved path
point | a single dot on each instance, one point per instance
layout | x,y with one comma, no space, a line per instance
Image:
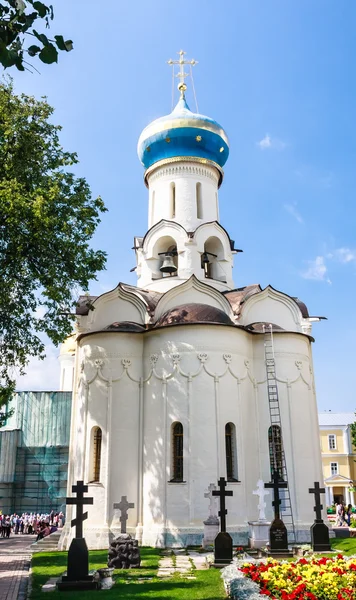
181,562
15,559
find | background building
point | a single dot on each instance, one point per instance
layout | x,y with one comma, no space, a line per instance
34,453
338,456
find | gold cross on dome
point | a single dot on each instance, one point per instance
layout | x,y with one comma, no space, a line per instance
181,74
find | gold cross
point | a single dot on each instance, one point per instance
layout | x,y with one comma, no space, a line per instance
181,74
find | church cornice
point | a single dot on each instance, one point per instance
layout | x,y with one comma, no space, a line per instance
184,159
186,169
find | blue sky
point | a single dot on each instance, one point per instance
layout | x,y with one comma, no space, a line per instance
279,76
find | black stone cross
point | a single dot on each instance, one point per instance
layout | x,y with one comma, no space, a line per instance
79,502
276,485
317,490
123,506
222,493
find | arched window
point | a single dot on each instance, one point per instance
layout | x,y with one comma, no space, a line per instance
96,438
212,259
275,444
165,250
177,452
199,201
173,201
230,450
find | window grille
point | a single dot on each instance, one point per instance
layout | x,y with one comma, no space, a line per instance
334,468
332,442
177,443
275,450
229,451
97,454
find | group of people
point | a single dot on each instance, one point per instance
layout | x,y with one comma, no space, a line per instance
343,514
31,524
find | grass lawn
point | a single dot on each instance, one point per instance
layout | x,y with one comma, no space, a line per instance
345,545
207,585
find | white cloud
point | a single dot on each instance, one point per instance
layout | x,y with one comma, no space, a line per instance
291,208
345,255
316,270
41,374
272,143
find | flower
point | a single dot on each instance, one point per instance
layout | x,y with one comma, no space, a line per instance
324,578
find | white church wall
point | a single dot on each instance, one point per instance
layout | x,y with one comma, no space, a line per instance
174,194
67,372
202,377
205,392
299,423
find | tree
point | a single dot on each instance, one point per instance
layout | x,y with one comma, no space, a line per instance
353,433
17,18
47,217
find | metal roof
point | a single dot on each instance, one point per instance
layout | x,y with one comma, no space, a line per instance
331,418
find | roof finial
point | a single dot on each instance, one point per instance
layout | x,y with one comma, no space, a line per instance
181,74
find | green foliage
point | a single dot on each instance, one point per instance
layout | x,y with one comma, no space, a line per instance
17,18
353,433
47,217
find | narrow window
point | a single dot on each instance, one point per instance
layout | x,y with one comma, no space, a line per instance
96,455
177,444
152,208
334,468
217,206
276,450
199,202
173,201
332,442
230,449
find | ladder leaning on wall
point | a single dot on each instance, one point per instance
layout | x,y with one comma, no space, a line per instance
276,448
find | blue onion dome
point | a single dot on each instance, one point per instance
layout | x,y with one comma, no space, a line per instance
183,135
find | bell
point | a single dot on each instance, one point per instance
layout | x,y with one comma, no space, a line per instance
168,265
205,259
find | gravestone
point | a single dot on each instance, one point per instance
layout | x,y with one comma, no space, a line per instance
78,577
278,536
319,531
223,541
259,530
124,552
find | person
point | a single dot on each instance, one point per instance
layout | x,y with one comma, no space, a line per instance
348,513
339,514
7,526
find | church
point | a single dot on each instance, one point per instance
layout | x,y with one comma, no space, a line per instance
189,377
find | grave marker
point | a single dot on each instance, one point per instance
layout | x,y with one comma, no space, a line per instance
123,506
78,577
319,531
223,541
278,536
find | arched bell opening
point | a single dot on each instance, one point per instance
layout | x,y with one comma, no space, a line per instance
211,259
166,263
